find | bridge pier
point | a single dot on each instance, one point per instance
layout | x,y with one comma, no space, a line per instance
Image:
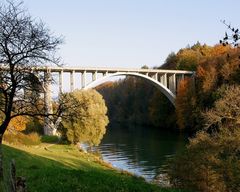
60,81
83,79
94,76
155,76
72,81
49,128
172,83
163,79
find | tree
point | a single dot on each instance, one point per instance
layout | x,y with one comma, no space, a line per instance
211,161
187,58
186,104
86,124
232,38
24,43
161,111
144,67
226,110
18,123
170,62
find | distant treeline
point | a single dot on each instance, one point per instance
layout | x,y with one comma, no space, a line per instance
134,101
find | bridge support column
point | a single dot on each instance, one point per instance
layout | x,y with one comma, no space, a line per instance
83,79
105,73
49,128
61,82
155,76
164,80
182,77
172,83
94,76
72,80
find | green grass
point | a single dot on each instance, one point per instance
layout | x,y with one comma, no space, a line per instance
51,168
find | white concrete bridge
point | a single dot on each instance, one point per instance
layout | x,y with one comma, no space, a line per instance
165,80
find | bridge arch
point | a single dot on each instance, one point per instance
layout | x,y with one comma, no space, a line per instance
169,94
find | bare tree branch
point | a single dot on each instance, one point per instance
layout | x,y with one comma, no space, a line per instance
24,43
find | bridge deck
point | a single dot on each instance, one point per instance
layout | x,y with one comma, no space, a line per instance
111,70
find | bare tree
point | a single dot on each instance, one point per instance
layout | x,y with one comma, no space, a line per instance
231,38
24,43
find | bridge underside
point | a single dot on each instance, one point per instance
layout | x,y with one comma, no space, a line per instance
167,92
165,80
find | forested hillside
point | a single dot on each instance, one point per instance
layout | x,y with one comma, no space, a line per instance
135,101
209,108
217,66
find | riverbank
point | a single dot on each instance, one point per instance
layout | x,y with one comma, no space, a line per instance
52,168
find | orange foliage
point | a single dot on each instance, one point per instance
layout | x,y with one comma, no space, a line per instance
18,123
208,77
221,66
218,50
185,102
188,59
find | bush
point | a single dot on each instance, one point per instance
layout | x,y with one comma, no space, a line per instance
210,163
34,125
23,139
49,139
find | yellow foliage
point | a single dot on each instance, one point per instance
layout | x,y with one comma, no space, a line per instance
210,79
219,50
185,102
18,123
87,123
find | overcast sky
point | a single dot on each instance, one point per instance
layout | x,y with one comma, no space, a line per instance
132,33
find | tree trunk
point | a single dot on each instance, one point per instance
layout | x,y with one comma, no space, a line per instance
3,128
1,158
13,184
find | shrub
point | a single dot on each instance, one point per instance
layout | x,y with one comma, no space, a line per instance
49,139
34,125
20,138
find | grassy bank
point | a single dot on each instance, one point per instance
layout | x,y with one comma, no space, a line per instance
64,168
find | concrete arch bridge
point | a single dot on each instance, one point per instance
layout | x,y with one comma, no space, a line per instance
165,80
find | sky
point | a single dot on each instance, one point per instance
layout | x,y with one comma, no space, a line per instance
132,33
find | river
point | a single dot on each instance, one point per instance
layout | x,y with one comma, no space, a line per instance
140,150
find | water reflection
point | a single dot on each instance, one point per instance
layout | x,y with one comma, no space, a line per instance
140,150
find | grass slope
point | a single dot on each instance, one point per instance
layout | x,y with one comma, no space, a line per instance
63,168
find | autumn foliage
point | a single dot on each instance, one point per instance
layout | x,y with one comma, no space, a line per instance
214,66
18,123
134,101
211,160
86,124
185,103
